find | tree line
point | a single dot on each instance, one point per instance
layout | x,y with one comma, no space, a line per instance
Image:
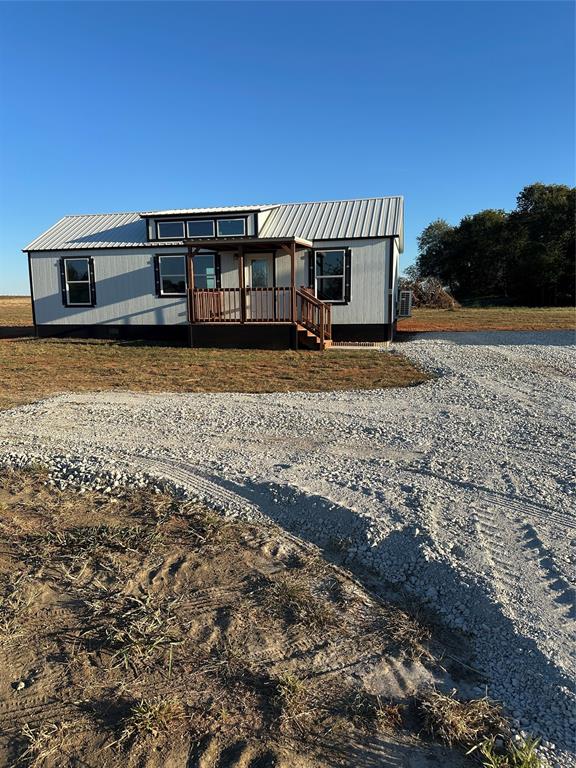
524,257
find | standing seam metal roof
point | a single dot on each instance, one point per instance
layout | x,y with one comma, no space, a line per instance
328,220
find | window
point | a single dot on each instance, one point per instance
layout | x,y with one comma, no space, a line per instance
77,279
205,271
231,227
170,229
201,228
330,275
172,275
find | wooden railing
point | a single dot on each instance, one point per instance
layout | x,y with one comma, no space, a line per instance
262,305
237,305
313,314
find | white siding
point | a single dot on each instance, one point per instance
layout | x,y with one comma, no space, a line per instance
125,290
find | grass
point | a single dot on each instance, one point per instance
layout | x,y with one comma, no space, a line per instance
490,319
465,723
15,311
31,369
522,755
151,719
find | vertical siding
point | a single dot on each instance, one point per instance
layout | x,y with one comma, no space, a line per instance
125,290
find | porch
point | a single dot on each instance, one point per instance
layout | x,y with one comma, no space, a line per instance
247,293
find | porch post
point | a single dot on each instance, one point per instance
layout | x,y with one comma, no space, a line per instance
189,294
293,279
241,283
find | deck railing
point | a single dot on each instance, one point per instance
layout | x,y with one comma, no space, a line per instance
313,314
237,305
262,305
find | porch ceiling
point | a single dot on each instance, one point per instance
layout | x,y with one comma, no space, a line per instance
252,243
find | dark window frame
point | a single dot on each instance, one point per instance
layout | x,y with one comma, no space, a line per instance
346,275
160,293
65,282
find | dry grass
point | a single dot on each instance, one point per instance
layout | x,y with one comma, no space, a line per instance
465,723
151,719
15,311
491,319
31,369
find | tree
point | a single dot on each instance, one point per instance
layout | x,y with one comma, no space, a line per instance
524,257
432,249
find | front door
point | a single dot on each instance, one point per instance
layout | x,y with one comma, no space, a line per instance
259,277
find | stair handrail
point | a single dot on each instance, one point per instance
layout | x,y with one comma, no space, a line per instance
324,326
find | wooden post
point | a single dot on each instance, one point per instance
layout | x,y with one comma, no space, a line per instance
190,285
242,283
293,280
322,318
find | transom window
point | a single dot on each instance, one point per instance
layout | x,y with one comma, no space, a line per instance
172,275
330,275
231,227
192,228
78,286
170,229
205,271
201,228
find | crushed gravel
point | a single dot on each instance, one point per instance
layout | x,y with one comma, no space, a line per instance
460,491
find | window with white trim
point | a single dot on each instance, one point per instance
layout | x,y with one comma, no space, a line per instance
231,227
201,228
170,229
330,275
77,282
205,271
172,275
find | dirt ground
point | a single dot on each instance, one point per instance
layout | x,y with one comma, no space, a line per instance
138,630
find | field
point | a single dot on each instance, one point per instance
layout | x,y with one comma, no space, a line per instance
491,319
15,311
140,630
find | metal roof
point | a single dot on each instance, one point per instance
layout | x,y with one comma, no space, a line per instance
220,209
337,219
329,220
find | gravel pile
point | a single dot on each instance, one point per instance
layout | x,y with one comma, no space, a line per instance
460,491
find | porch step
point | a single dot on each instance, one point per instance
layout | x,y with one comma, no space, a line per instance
308,340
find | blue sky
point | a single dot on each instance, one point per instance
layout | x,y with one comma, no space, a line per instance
137,106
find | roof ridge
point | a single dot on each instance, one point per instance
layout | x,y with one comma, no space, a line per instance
110,213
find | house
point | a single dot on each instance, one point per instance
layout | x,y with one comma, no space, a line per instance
276,276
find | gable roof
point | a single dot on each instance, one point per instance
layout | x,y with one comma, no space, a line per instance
328,220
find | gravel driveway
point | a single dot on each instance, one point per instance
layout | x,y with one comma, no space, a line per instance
461,490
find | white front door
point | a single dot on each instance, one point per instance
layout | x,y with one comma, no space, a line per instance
259,277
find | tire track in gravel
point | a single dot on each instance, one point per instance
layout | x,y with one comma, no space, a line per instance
520,570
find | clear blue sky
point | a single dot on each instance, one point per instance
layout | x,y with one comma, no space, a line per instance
135,106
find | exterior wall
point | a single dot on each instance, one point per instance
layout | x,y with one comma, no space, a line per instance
125,289
125,286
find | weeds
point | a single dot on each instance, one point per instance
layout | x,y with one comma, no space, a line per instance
461,722
16,597
290,596
292,700
229,662
401,632
522,755
38,744
369,711
150,718
133,631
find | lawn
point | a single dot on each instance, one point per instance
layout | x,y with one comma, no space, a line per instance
32,368
15,311
491,319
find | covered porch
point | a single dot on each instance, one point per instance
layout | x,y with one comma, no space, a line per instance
248,290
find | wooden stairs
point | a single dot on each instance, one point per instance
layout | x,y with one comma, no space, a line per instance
309,340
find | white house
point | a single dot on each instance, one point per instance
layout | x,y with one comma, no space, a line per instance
300,274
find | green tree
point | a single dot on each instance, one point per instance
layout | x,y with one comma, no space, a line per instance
433,250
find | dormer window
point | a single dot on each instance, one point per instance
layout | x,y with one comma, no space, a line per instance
170,230
201,228
231,227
